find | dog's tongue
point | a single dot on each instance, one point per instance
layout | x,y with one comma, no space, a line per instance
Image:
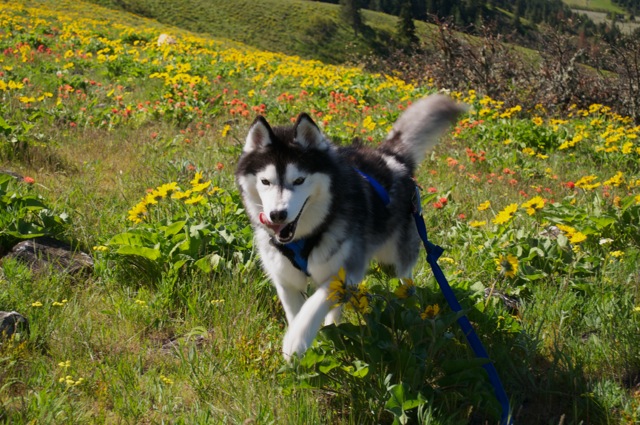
273,226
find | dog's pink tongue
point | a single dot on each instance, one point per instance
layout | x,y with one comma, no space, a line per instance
264,220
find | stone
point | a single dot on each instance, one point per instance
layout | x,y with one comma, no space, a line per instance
43,254
11,323
165,39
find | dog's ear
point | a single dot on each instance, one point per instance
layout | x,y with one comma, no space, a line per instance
260,135
308,135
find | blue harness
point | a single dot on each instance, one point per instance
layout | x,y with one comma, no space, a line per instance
299,259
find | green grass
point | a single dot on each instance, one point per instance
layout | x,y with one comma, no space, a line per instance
595,5
312,30
193,334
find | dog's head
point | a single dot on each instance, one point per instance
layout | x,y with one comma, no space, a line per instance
284,175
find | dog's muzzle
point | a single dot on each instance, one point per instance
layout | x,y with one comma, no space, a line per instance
283,232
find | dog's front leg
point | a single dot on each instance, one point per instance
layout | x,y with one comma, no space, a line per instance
291,297
307,323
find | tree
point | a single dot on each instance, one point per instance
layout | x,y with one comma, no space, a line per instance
351,14
406,28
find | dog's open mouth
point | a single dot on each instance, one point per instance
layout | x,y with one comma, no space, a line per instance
284,233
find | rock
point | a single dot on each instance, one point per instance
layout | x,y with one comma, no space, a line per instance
42,254
512,304
12,174
11,323
166,39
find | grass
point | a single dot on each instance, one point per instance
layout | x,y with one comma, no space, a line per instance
185,328
595,5
313,30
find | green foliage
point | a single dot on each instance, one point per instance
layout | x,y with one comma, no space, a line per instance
24,214
203,227
403,353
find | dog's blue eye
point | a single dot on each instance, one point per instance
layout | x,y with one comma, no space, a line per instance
298,181
265,182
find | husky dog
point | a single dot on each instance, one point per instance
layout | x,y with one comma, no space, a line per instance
316,207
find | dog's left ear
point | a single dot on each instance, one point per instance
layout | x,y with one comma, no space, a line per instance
308,135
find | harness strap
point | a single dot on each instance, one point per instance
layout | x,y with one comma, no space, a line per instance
433,253
298,259
380,190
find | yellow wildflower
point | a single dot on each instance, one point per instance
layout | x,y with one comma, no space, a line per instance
574,235
138,212
181,195
615,180
197,179
200,187
586,182
406,289
336,287
507,265
476,223
506,214
356,298
430,312
194,200
483,206
166,189
533,204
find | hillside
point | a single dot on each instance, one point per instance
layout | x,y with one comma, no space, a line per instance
308,29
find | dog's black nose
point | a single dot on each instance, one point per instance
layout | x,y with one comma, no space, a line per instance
278,216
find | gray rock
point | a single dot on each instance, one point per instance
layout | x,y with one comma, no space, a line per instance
11,323
42,254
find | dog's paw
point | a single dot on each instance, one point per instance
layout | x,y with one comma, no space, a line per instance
293,345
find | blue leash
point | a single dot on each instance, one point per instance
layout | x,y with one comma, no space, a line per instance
433,253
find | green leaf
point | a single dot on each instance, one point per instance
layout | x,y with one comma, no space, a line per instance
400,401
174,228
133,238
228,237
208,263
328,365
311,358
150,253
5,127
602,222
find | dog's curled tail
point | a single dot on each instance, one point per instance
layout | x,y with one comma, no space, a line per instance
419,128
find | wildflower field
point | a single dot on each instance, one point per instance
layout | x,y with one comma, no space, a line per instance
127,149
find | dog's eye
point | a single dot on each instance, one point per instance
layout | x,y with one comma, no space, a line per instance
265,182
298,181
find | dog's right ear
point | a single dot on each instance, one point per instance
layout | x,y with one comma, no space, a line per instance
260,135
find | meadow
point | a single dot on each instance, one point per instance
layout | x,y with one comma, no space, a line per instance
127,149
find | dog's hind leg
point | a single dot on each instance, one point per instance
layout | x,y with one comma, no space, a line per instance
333,317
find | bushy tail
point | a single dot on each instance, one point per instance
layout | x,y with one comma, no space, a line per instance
419,128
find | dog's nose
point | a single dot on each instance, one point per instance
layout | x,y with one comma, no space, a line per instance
278,216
